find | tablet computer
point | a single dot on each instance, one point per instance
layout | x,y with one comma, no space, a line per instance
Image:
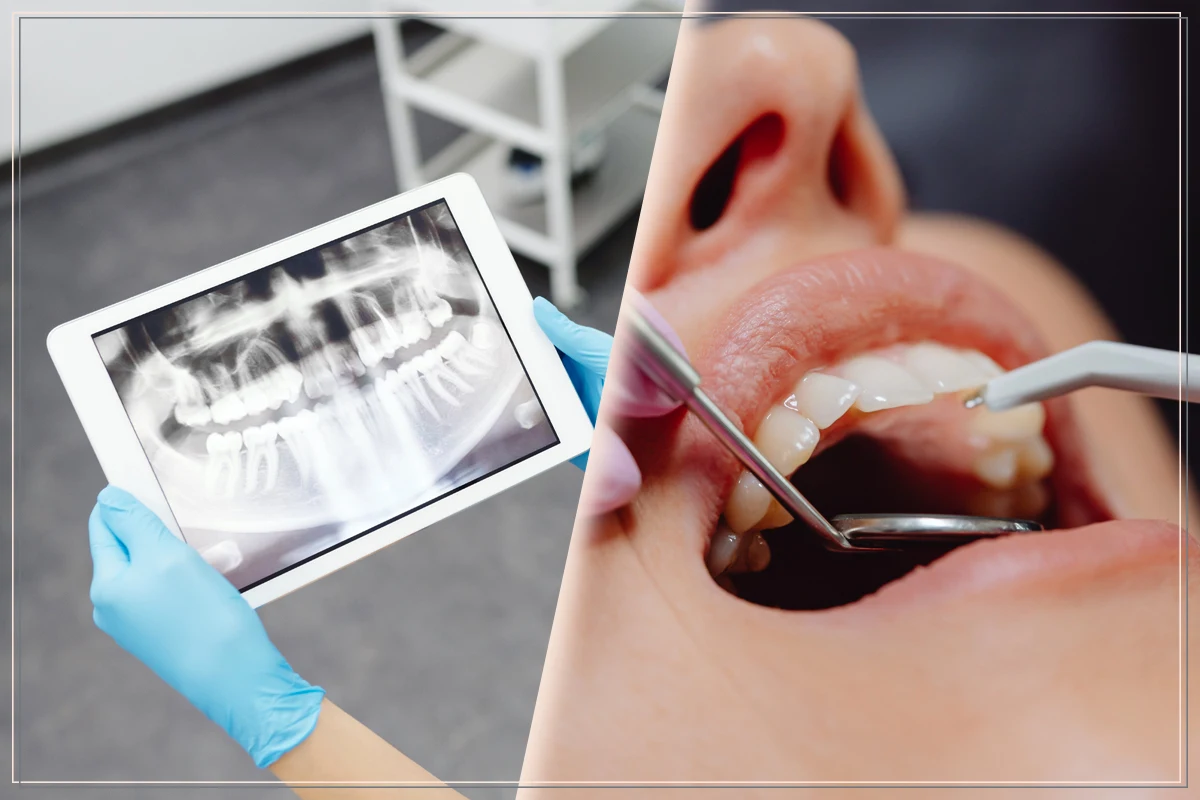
301,406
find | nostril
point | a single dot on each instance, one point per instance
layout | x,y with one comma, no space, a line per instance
841,167
760,140
714,188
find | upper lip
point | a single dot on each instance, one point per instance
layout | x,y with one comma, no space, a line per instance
817,312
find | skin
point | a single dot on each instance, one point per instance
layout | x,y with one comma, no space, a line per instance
656,674
342,758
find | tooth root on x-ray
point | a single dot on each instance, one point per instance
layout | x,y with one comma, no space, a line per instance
338,368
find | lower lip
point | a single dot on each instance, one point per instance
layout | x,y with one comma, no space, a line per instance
1023,559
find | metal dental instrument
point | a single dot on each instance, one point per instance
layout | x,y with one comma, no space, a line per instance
1159,373
674,374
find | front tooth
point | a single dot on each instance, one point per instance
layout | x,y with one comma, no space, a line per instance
1014,425
998,468
823,398
786,439
776,517
942,369
884,384
986,365
746,504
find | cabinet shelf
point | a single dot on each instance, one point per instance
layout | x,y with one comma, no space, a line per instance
471,81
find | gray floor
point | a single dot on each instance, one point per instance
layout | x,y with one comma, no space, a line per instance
436,643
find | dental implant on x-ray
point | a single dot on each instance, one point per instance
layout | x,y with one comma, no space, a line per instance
305,402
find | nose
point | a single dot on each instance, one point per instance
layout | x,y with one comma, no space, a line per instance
765,152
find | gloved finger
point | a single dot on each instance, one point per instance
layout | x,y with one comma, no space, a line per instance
109,556
613,479
633,393
134,525
588,346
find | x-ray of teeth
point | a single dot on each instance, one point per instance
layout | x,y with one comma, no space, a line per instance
312,400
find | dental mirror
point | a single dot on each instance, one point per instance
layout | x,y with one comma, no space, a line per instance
898,531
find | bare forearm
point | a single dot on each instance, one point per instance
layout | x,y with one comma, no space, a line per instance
342,758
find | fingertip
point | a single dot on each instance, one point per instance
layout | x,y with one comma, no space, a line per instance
545,312
107,550
614,477
117,499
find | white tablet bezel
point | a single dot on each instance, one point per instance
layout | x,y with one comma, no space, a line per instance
123,459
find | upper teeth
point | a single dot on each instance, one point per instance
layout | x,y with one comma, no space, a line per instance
398,398
1012,449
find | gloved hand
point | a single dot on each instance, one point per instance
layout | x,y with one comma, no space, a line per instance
164,604
585,354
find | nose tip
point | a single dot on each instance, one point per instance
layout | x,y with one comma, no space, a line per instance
778,105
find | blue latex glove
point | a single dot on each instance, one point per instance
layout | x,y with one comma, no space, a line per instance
584,352
164,604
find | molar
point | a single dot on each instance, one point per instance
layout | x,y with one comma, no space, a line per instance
1035,459
1014,425
483,336
823,398
293,431
223,556
998,468
229,408
884,384
254,398
193,415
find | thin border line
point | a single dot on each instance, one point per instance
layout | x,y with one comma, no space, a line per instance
18,16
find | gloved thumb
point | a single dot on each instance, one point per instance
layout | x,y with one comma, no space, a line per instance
136,527
589,347
109,556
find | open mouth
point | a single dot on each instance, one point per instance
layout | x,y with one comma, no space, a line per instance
850,374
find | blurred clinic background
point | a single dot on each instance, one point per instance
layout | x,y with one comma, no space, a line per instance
150,148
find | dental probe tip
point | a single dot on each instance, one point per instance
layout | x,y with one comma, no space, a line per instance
974,399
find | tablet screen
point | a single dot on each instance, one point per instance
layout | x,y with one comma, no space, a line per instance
312,401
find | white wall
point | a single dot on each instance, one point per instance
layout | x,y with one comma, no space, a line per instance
78,75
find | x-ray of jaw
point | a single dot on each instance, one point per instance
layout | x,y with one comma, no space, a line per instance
314,399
